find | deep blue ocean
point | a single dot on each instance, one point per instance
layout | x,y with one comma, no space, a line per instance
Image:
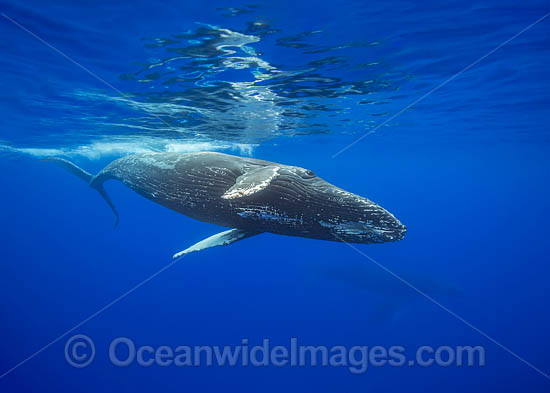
437,111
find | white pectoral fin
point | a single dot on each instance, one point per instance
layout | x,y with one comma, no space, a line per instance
219,239
252,182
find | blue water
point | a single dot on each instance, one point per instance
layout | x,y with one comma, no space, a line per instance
466,169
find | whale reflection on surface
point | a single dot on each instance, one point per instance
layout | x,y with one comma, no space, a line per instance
211,88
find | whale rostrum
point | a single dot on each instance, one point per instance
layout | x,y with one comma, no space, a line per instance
250,196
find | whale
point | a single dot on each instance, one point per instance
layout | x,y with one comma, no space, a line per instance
247,195
385,298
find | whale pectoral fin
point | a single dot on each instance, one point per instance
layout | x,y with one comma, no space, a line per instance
252,182
219,239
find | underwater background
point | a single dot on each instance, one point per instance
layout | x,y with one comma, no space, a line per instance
465,167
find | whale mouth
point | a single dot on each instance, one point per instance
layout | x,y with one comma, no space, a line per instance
388,228
394,234
376,234
402,232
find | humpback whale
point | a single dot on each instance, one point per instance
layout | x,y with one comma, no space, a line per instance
248,195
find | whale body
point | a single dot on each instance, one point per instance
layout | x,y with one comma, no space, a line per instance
250,196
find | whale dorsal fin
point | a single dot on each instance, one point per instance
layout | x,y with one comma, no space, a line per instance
219,239
252,182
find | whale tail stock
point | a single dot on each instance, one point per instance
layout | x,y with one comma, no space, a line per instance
87,177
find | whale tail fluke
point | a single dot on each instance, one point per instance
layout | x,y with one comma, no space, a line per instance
88,178
74,169
105,196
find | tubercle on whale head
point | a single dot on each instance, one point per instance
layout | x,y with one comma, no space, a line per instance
383,226
394,232
388,227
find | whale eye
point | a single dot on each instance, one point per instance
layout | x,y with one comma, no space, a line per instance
309,173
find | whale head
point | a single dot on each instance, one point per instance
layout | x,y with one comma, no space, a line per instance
357,219
341,215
